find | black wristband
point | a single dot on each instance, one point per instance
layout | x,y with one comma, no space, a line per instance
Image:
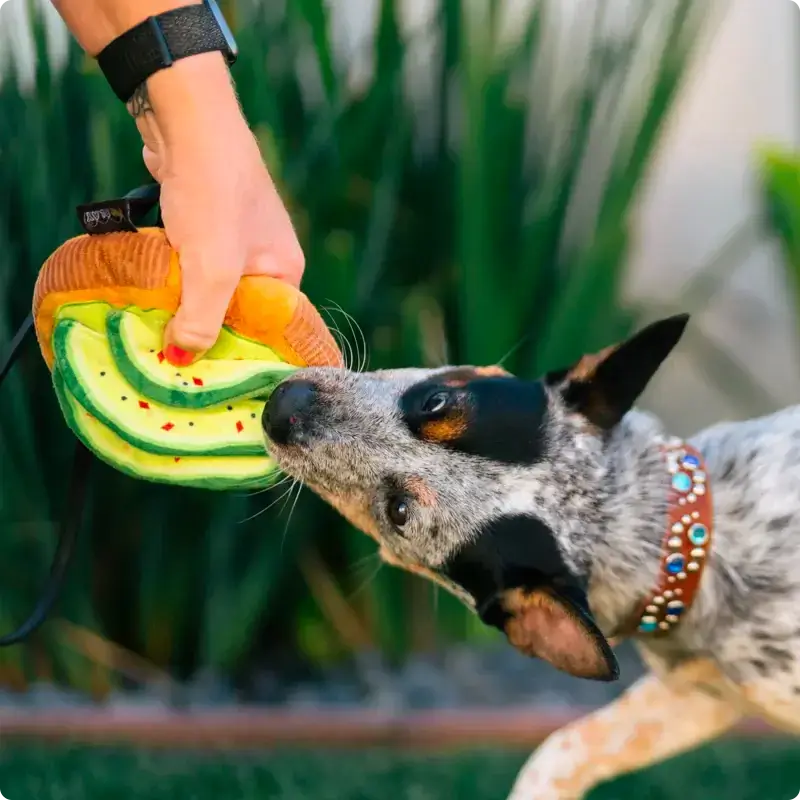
159,41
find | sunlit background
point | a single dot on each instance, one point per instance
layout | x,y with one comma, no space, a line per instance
472,182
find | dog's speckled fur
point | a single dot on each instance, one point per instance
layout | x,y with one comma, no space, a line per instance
603,496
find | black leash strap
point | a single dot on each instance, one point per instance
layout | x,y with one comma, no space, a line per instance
67,538
15,348
71,522
96,218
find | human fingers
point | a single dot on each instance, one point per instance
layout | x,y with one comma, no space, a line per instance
208,282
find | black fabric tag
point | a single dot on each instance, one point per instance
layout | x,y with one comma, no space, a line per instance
121,214
107,216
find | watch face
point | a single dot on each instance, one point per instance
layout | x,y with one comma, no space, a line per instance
233,50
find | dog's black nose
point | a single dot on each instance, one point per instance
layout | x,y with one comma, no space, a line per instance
286,409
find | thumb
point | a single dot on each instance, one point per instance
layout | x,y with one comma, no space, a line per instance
206,292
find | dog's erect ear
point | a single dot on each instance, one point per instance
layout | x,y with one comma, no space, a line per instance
556,626
604,386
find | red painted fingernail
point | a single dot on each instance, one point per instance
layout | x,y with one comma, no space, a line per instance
177,356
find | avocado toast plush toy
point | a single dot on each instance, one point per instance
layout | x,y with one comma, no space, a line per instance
100,306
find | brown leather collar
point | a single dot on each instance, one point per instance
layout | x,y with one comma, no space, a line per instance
686,546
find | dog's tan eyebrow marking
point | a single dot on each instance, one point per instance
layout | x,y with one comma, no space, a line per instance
492,371
423,493
444,430
463,375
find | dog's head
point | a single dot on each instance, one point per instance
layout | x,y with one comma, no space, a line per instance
480,481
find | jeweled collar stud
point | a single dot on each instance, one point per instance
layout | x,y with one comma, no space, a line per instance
687,541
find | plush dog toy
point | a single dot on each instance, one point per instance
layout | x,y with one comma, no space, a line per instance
100,306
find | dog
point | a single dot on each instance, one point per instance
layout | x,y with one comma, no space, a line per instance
568,519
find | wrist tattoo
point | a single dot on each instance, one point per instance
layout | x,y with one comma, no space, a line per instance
139,104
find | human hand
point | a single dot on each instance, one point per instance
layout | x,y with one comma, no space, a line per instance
220,208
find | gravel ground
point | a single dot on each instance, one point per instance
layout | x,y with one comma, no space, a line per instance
458,678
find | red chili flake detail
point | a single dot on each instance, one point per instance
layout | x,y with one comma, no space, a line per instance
143,404
161,356
197,381
167,426
239,427
177,459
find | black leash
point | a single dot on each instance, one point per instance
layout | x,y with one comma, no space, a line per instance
68,529
67,538
20,337
95,218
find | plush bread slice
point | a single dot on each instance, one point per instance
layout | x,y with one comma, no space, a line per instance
142,269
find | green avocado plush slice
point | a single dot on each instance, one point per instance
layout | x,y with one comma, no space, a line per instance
135,342
90,373
235,367
204,472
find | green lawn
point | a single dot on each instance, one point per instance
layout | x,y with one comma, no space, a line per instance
763,770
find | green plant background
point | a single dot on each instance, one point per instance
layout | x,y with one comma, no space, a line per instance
723,770
461,231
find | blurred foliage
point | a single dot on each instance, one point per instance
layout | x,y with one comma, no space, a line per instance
470,206
780,178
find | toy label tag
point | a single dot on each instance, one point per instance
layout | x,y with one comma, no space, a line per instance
123,213
108,216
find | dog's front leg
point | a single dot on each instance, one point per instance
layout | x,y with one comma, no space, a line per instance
654,720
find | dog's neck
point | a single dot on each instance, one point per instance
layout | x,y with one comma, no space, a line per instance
626,547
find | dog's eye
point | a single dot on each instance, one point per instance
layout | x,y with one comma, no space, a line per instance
436,402
397,509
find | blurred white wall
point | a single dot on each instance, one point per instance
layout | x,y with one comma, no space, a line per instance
745,89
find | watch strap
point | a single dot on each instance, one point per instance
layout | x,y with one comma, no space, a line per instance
159,41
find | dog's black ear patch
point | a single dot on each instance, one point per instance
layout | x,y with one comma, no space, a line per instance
604,386
521,585
509,551
479,412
